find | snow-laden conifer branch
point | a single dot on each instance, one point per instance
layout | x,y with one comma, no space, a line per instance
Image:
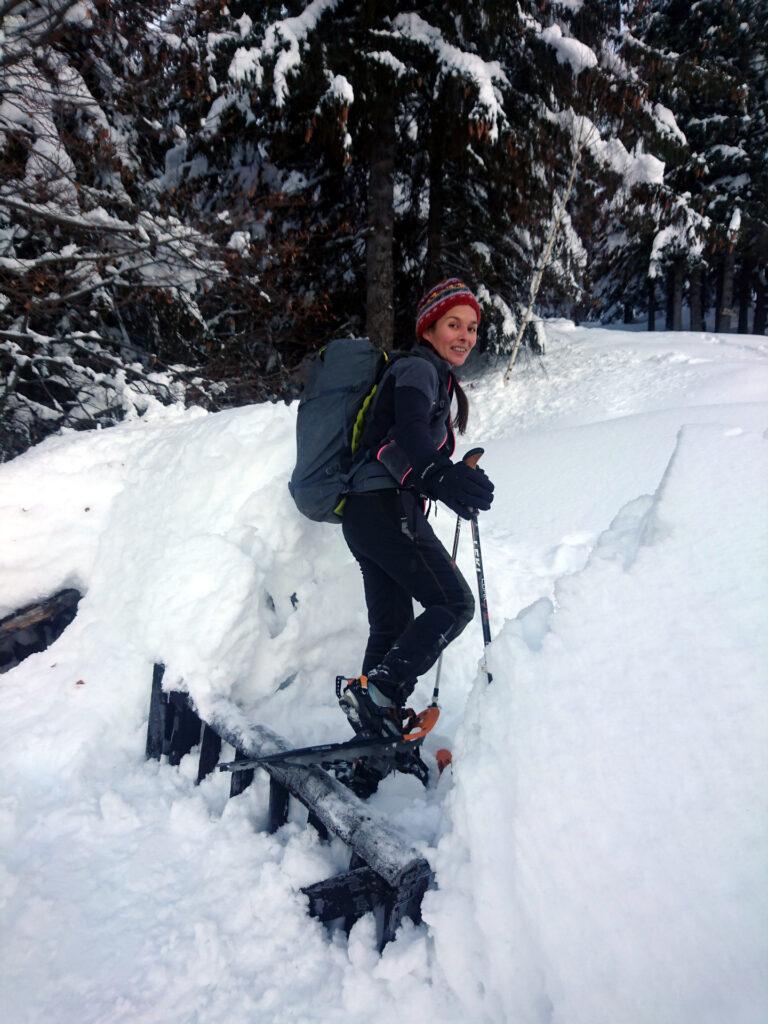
487,77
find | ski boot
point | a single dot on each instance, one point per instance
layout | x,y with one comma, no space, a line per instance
370,711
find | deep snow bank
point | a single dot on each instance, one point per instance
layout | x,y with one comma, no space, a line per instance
610,817
584,862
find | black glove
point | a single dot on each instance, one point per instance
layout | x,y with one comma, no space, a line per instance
462,489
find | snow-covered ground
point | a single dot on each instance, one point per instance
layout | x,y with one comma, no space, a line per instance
601,845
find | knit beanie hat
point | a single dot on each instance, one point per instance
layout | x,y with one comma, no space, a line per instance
436,302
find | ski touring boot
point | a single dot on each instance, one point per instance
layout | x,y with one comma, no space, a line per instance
370,711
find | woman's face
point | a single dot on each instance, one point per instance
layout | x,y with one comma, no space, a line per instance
453,336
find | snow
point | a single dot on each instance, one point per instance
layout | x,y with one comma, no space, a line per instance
600,844
284,38
483,74
667,124
339,91
568,50
632,167
79,13
687,235
240,241
388,60
668,240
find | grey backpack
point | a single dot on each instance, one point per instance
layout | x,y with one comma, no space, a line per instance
342,382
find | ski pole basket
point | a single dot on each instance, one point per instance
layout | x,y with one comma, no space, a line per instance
385,871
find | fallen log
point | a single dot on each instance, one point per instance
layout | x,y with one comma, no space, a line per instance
397,875
35,626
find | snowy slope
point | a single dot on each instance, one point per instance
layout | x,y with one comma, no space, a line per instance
601,845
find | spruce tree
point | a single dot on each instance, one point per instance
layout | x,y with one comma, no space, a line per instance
706,62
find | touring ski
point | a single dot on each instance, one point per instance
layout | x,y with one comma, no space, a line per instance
359,748
321,753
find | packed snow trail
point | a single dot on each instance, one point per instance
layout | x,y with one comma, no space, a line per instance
601,842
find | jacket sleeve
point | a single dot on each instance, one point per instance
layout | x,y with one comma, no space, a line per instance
410,448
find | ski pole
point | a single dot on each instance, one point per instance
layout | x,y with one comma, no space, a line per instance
436,691
472,458
484,619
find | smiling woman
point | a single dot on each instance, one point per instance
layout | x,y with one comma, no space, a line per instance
409,439
453,336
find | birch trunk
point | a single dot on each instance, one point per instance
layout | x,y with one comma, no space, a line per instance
546,255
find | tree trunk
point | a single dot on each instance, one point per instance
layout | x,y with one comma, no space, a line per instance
759,322
745,294
727,312
629,313
694,296
434,270
670,308
674,318
719,296
380,318
651,303
677,295
706,277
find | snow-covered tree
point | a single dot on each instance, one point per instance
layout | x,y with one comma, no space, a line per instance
706,62
102,286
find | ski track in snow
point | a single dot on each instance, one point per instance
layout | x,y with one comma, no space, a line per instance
600,845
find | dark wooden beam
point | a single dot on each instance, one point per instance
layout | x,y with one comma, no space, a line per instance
210,749
349,895
158,706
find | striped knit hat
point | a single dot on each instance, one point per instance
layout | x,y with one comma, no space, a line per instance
436,302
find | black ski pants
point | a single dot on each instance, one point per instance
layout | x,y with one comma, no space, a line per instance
401,559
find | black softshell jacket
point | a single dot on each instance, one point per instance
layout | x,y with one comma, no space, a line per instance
409,427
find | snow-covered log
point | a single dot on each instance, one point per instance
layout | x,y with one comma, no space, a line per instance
385,869
35,626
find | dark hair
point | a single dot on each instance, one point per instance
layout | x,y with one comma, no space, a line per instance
461,418
462,407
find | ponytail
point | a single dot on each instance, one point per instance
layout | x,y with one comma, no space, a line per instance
462,402
462,407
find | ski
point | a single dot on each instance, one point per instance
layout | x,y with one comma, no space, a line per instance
322,753
359,748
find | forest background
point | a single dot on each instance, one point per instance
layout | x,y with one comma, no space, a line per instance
194,195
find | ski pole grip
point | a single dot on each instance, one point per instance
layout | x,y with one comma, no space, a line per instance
473,457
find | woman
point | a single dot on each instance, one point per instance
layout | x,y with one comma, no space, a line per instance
409,437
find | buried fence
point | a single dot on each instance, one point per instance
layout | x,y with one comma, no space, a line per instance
384,871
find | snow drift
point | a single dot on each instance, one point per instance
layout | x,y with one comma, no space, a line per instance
601,844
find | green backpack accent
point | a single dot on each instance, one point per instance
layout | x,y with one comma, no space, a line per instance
341,387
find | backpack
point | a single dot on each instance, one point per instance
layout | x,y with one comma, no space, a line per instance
342,383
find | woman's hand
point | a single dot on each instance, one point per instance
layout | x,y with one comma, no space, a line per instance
463,489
